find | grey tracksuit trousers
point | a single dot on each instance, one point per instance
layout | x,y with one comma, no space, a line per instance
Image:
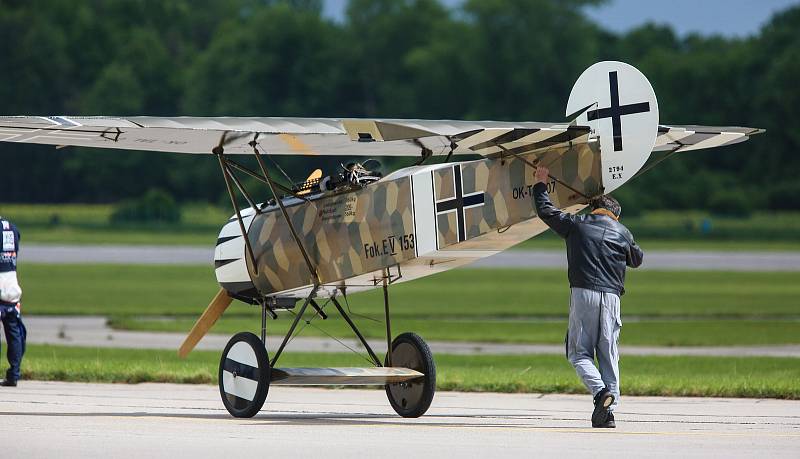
594,325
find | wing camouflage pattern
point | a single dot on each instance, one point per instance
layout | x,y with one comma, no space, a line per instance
330,136
286,136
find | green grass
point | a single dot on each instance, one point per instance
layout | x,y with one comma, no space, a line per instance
129,290
198,215
640,333
116,289
674,230
89,224
44,214
151,235
495,305
697,229
663,376
658,230
690,225
549,241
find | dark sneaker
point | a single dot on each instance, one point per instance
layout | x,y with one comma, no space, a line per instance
8,383
602,401
609,424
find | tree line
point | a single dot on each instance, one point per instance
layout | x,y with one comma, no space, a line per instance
486,59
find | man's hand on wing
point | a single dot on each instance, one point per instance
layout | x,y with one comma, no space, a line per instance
542,174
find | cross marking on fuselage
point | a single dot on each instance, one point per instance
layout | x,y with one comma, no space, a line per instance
616,111
459,203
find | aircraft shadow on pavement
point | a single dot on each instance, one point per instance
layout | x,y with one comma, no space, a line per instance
317,419
506,420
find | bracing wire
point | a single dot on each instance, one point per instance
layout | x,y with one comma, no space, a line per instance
309,323
355,314
306,322
342,343
277,166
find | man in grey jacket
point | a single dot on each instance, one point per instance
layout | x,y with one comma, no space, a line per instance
599,248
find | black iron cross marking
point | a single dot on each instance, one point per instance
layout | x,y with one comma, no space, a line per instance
460,203
616,111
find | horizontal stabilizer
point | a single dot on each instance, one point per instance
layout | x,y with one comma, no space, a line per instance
687,138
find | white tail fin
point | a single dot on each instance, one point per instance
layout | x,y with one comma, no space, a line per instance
618,103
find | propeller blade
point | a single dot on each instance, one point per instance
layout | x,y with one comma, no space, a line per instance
207,320
316,175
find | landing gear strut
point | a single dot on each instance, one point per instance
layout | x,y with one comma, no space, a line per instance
408,372
245,370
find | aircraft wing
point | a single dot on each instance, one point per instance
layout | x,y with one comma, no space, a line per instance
687,138
289,136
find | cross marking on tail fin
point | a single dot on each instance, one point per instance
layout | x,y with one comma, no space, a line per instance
616,111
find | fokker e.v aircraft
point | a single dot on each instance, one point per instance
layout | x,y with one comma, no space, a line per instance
357,230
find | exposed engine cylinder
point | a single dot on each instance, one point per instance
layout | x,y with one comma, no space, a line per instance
353,175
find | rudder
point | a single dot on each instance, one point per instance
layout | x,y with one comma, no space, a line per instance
619,105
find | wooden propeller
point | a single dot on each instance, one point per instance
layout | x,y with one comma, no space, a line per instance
316,175
207,320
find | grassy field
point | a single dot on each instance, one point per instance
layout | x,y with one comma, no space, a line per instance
129,290
549,241
639,333
664,376
660,230
89,224
694,230
151,235
513,305
498,305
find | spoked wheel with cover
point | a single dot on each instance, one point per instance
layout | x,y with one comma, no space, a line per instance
411,399
244,375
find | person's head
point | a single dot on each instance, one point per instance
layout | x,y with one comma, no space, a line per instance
607,202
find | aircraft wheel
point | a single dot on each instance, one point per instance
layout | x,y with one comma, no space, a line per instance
244,375
411,399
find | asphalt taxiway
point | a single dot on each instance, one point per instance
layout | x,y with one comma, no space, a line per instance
54,419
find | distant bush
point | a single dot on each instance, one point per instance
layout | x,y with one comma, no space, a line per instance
784,196
155,206
631,202
730,204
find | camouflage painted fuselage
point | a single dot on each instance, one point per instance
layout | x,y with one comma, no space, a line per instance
415,222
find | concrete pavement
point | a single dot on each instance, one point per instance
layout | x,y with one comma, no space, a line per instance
78,420
121,254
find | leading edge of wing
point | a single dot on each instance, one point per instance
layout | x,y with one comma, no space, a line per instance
286,136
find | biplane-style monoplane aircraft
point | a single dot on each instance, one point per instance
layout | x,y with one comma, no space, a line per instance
355,229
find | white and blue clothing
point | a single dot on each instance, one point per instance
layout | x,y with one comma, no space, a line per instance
10,296
9,247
